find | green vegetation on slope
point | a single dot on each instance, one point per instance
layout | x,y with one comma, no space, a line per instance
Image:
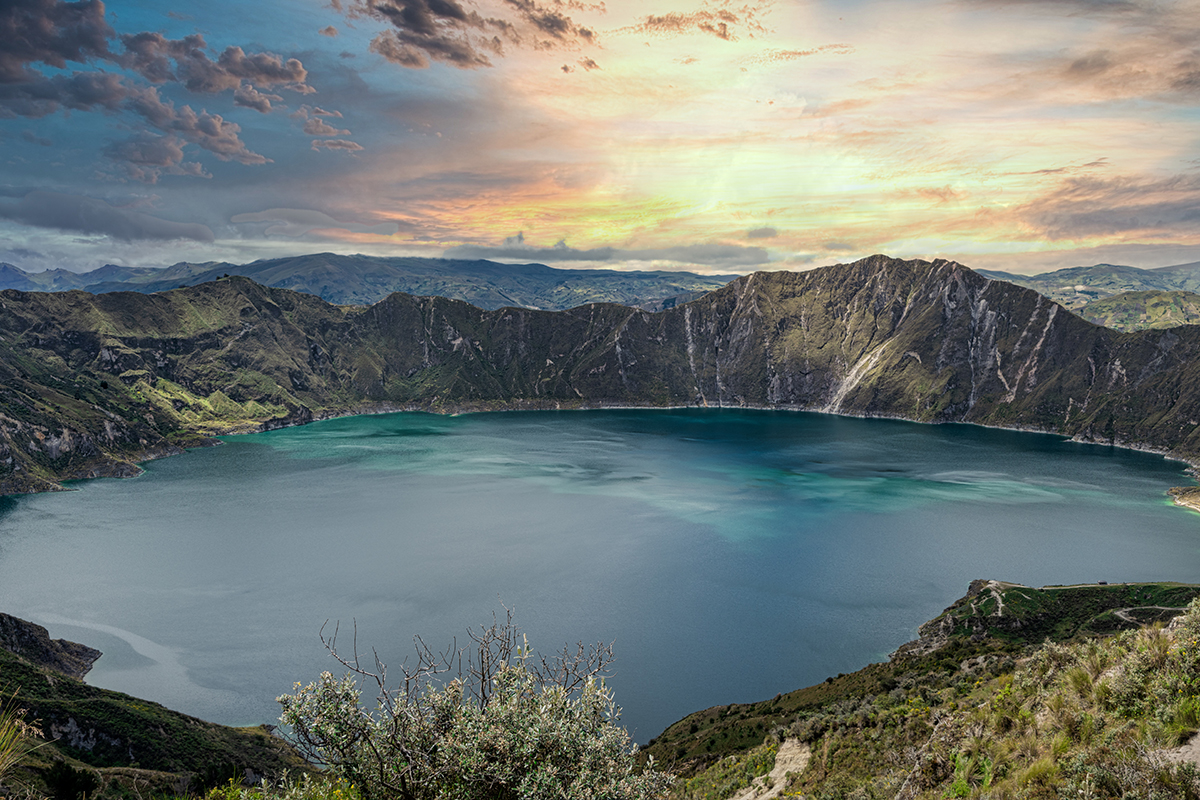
982,706
129,739
1085,288
1135,311
1012,692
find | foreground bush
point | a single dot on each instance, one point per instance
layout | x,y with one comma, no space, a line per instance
508,725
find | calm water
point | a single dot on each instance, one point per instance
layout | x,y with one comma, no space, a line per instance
730,555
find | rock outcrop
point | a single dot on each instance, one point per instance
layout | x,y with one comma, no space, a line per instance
33,643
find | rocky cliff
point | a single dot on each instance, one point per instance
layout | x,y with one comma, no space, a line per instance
88,384
102,728
33,643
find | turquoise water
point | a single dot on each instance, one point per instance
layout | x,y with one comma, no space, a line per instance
730,555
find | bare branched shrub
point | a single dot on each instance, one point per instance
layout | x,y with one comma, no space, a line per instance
491,720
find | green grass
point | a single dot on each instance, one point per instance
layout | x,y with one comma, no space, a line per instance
1032,617
117,730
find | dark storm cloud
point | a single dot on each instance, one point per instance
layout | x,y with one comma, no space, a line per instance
550,21
55,34
722,20
82,91
52,33
261,69
159,59
423,31
416,50
85,91
1084,206
146,158
209,131
88,215
724,255
762,233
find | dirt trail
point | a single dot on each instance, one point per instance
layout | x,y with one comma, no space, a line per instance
1123,613
792,757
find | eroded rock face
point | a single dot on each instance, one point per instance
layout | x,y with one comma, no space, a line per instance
33,643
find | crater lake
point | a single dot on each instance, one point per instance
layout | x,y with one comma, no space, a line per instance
729,555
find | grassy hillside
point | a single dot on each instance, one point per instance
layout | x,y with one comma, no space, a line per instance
1080,288
1133,311
1075,287
1012,692
129,740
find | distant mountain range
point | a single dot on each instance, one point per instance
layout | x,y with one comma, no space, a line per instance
363,280
1121,297
90,384
1141,298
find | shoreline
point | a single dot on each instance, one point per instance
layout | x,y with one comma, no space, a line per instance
1183,496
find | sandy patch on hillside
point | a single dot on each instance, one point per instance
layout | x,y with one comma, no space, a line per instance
1186,753
792,757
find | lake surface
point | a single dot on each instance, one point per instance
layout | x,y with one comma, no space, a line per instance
730,555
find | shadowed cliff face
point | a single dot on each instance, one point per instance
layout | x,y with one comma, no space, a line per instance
33,643
90,383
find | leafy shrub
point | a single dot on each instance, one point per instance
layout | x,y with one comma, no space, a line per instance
508,726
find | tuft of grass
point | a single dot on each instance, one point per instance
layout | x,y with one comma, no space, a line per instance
18,737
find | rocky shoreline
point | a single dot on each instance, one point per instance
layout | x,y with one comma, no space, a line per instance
32,642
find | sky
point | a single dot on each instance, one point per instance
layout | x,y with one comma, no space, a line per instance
700,135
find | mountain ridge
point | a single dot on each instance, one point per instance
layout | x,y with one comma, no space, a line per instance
364,280
91,383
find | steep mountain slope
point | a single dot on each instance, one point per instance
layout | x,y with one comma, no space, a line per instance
1012,691
102,728
89,383
362,280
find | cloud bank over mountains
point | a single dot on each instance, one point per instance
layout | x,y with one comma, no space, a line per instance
726,256
694,134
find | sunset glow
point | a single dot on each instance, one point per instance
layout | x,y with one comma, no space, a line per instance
709,136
